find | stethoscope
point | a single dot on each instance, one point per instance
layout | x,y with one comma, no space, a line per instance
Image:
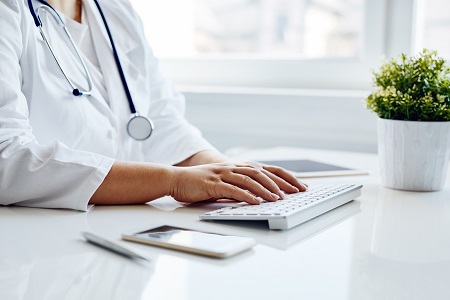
138,127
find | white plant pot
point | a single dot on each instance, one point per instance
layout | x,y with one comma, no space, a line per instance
413,155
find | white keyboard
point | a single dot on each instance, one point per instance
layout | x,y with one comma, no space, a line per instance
294,209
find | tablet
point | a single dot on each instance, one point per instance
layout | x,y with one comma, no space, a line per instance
305,168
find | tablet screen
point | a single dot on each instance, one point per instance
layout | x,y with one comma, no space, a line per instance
305,165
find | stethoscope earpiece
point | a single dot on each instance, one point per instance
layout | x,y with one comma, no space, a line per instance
76,92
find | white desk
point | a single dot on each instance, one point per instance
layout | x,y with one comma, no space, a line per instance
386,245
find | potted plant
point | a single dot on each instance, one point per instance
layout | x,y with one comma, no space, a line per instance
412,100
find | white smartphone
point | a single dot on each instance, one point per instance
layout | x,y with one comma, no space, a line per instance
197,242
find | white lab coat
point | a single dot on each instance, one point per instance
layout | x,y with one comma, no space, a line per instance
55,148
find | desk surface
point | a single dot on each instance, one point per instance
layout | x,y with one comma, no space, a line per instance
386,245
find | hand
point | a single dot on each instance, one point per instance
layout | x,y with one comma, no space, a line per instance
248,182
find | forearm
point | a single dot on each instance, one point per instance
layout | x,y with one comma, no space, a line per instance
134,183
204,157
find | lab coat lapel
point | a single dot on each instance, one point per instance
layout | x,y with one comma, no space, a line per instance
117,97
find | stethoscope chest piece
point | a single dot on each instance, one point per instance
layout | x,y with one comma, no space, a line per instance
139,127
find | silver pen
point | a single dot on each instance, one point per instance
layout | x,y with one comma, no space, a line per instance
112,246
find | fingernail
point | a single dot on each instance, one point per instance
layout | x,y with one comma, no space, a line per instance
305,186
282,195
259,199
275,196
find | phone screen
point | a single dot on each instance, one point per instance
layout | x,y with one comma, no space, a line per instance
175,235
192,241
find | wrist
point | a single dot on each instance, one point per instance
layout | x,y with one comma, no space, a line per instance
170,179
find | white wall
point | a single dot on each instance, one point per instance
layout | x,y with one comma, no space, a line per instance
266,118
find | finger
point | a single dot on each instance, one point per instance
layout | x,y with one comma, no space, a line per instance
283,184
286,177
250,164
226,190
247,183
259,176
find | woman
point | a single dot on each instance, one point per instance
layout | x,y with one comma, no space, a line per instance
58,150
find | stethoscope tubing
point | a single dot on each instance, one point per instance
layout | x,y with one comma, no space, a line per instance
118,64
139,134
75,91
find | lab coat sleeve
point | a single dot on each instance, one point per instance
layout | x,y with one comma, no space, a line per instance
176,138
31,174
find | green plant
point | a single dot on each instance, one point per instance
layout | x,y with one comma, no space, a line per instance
414,89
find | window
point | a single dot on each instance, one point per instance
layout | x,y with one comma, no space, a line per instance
267,43
303,29
436,26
